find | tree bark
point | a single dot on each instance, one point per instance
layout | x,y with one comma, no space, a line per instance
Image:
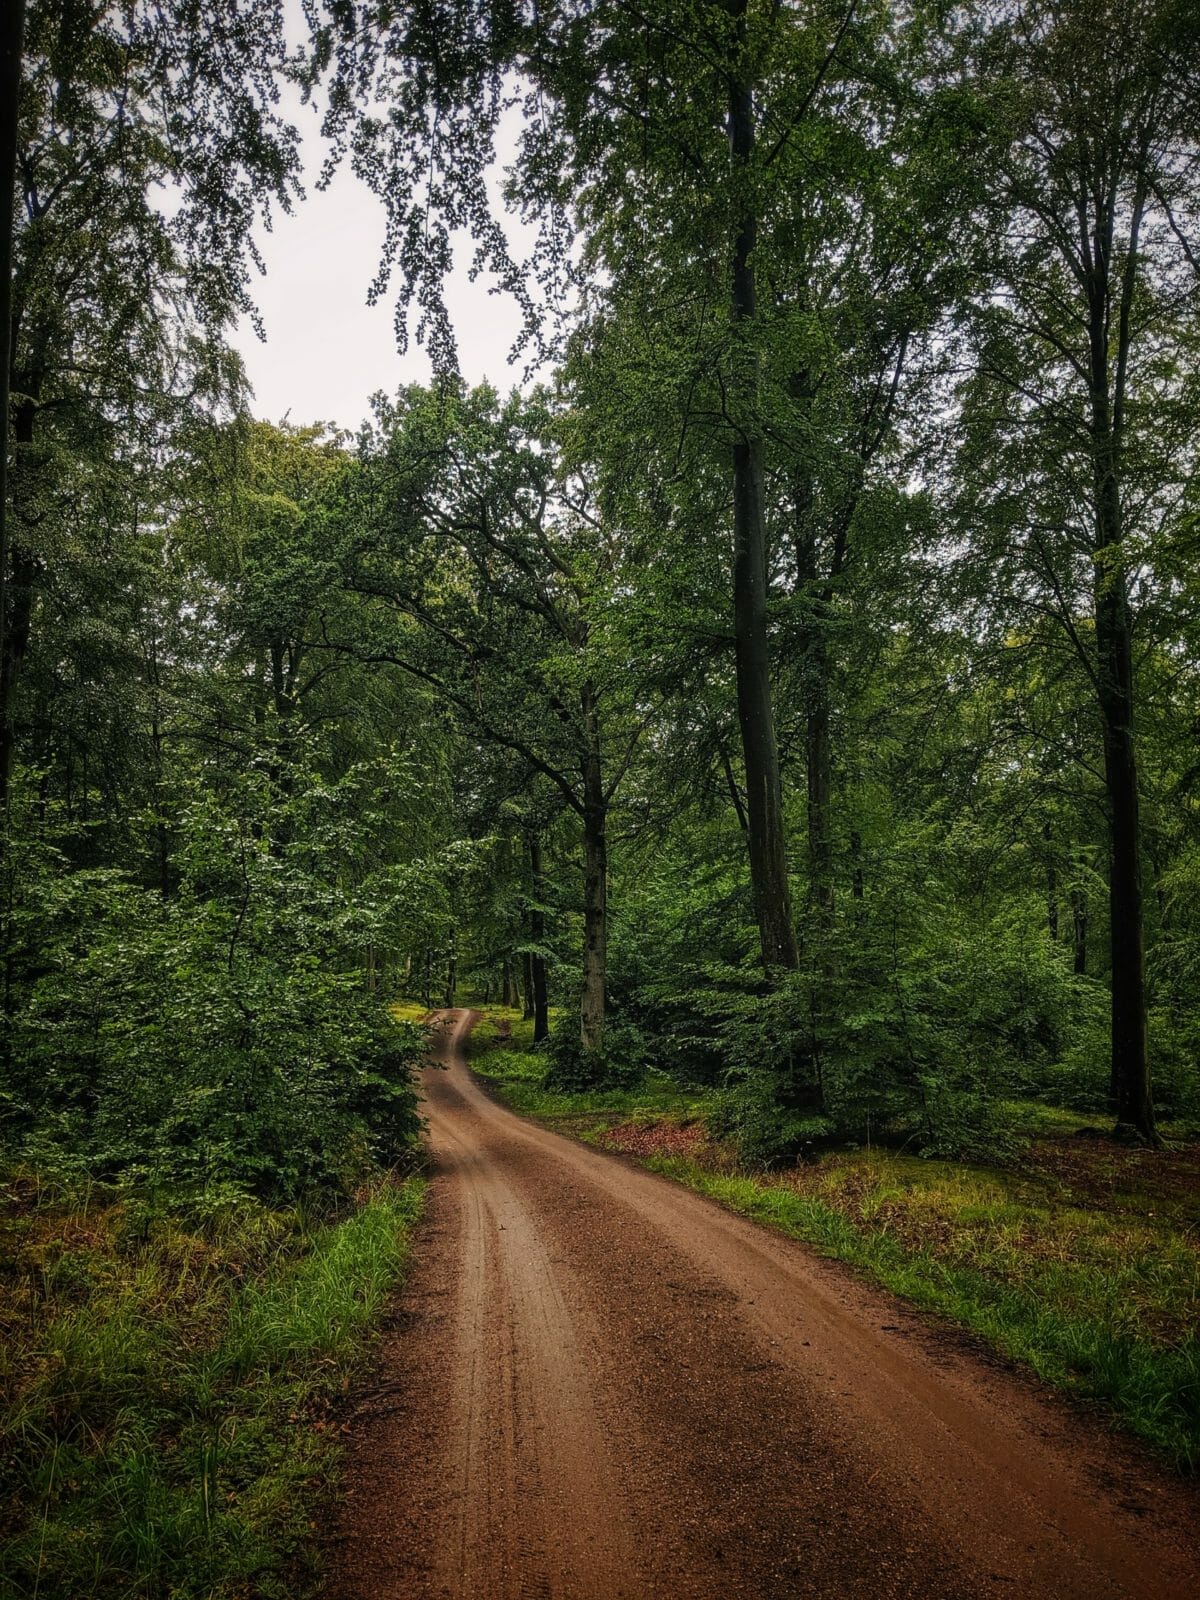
764,797
12,43
1130,1091
21,571
537,932
527,974
1079,920
595,884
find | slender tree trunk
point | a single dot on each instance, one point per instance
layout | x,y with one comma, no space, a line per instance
12,40
764,798
819,759
527,975
1079,920
818,749
1051,883
451,979
595,885
537,933
506,983
1130,1076
21,569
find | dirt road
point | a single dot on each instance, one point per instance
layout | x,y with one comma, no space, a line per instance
600,1385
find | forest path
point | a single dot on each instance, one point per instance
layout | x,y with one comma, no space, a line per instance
600,1385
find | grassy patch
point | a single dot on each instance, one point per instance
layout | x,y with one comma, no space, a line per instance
1082,1260
414,1011
166,1383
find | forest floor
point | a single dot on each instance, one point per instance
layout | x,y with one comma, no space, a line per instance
167,1379
1080,1259
600,1384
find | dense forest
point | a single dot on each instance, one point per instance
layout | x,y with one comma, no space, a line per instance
791,686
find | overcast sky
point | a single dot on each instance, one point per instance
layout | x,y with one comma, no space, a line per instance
326,350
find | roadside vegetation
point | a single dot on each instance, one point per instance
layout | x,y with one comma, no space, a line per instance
166,1384
784,703
1077,1258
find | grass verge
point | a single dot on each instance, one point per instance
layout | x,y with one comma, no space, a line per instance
1081,1261
166,1386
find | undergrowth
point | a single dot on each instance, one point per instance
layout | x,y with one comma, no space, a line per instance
166,1382
1076,1258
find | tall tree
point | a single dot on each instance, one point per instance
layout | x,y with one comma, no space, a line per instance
116,302
1101,288
463,527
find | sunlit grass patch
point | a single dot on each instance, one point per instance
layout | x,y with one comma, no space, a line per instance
164,1388
414,1011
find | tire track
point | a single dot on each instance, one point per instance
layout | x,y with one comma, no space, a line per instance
603,1386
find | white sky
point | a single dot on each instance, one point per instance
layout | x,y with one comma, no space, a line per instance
327,351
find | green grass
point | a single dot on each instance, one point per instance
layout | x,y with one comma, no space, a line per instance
1080,1261
166,1384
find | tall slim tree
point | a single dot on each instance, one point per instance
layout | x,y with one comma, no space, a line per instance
1100,269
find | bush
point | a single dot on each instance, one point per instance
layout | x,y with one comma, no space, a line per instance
215,1038
573,1070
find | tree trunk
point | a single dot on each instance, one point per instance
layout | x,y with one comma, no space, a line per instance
1079,920
1051,884
814,649
527,975
21,571
537,933
506,983
764,799
819,758
451,979
12,38
1130,1075
595,885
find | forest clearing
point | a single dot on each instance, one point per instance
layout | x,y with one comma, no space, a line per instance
601,942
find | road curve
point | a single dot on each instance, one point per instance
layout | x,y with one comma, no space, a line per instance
600,1386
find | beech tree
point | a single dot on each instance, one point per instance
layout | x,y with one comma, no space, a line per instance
488,574
1085,351
114,304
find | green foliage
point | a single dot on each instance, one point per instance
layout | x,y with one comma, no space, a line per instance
572,1067
215,1037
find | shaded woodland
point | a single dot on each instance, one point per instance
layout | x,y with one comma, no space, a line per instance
798,683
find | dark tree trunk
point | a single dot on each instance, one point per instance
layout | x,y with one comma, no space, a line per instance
537,933
764,799
12,38
451,979
595,885
506,983
527,975
19,590
819,760
1130,1092
818,749
1079,919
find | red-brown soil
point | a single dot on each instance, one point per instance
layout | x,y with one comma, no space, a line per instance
600,1385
